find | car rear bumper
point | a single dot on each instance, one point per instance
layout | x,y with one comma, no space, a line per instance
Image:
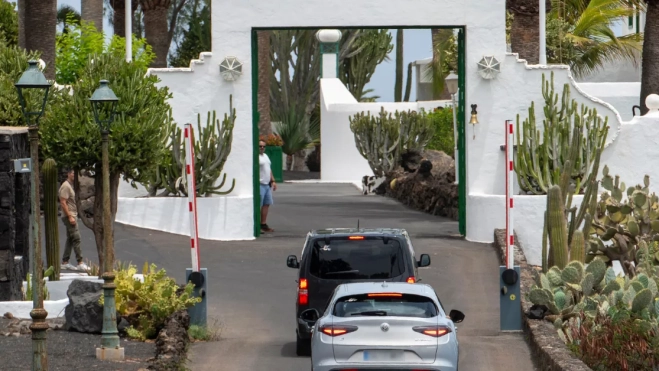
383,367
329,364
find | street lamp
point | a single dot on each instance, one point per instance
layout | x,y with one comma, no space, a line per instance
30,86
104,104
452,86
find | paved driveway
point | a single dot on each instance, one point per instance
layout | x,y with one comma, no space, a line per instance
252,292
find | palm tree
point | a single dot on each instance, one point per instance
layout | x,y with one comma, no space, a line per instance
37,28
442,58
119,15
650,63
525,30
92,11
159,27
265,73
579,34
64,13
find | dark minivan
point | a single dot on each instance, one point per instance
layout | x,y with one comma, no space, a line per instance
334,256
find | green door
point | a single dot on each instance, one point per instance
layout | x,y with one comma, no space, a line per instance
462,171
255,135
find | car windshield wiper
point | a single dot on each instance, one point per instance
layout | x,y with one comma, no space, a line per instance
342,272
370,313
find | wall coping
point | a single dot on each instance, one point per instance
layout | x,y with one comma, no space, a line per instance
9,130
548,350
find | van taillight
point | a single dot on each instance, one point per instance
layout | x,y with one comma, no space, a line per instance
303,292
411,280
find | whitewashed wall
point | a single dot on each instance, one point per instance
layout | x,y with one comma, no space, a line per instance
340,159
621,95
200,88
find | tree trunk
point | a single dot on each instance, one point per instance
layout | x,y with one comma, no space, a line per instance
157,31
299,161
37,30
119,17
398,85
92,11
265,70
95,223
650,62
525,29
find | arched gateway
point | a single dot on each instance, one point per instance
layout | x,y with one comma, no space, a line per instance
200,88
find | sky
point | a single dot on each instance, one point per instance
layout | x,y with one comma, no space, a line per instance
417,45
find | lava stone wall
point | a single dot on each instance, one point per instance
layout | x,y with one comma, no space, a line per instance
14,213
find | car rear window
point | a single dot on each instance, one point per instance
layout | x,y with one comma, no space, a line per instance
385,304
368,258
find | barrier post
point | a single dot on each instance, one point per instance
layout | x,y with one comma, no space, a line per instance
510,303
196,275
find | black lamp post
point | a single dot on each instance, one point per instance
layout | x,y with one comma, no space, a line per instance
104,104
30,86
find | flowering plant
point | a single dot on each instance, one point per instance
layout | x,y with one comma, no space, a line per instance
272,140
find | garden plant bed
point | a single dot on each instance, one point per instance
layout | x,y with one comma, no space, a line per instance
69,350
549,351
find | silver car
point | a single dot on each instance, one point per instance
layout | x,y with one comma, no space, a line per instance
384,326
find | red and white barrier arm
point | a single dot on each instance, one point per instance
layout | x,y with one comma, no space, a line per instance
510,237
192,195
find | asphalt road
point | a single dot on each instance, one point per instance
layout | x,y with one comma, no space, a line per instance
252,293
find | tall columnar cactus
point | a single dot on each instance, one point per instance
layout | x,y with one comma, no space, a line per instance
564,148
557,227
578,247
212,146
50,215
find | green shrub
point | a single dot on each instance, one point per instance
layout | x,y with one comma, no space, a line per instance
146,305
442,121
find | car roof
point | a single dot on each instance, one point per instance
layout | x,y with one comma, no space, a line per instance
356,288
340,232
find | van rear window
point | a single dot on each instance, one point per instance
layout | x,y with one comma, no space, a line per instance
369,258
385,304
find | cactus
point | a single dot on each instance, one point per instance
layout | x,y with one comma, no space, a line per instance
554,276
598,269
564,148
571,275
544,245
641,301
630,224
382,139
557,227
212,146
578,249
51,200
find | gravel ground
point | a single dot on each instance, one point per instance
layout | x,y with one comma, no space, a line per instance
71,351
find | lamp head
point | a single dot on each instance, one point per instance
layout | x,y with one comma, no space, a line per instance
31,82
104,105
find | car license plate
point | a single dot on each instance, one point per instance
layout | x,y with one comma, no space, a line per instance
383,355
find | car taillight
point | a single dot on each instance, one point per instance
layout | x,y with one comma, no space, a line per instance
434,331
303,292
337,330
411,280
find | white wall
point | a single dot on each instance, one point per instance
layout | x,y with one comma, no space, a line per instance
340,159
621,95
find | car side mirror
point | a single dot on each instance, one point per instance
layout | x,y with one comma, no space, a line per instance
291,262
456,316
424,261
310,315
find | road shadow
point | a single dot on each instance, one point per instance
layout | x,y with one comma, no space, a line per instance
288,351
